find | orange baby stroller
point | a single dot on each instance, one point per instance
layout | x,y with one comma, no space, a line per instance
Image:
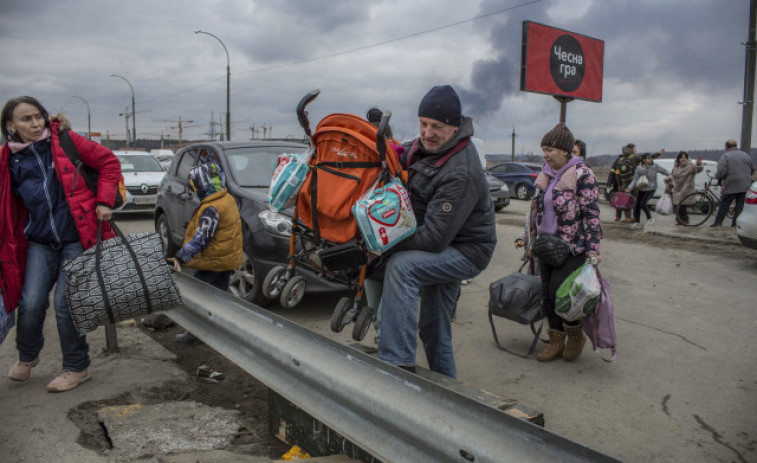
349,156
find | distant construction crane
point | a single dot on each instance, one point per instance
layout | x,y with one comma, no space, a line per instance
180,125
267,131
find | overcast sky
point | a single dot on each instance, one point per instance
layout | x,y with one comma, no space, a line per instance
673,69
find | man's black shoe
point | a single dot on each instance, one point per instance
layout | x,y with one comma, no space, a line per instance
716,224
411,369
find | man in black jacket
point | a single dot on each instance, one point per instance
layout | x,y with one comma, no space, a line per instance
454,240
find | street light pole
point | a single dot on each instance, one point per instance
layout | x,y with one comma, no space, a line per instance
89,119
133,111
228,83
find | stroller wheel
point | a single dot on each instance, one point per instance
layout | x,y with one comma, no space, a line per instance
340,312
363,323
293,292
274,282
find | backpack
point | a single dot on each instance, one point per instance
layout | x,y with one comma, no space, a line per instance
626,167
90,174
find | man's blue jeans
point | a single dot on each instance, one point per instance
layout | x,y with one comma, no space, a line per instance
43,271
434,278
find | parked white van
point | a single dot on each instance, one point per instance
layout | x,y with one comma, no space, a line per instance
710,167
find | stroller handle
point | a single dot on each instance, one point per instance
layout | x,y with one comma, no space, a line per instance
302,115
381,139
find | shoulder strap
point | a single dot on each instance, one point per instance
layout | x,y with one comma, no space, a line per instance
64,137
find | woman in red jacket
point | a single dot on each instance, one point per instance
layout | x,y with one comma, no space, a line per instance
47,215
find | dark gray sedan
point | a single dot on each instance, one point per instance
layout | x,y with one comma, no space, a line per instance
248,167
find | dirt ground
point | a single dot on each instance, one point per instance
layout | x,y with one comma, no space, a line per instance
236,391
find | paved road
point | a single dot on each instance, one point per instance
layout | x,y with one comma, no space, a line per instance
684,385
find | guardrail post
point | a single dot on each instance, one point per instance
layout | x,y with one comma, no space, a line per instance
111,340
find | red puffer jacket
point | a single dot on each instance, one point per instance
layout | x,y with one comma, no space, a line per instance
81,200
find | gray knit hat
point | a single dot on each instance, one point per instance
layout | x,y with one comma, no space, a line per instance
559,137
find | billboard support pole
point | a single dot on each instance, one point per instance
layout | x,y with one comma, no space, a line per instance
564,100
749,66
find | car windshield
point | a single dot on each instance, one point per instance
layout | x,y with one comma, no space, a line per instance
252,167
535,168
138,163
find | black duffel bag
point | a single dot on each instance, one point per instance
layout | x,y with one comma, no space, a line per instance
517,297
119,279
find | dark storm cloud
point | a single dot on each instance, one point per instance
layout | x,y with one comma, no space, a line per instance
495,78
686,41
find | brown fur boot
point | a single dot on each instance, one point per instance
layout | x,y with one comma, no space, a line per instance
555,347
574,343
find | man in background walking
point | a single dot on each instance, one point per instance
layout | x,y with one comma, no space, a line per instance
735,169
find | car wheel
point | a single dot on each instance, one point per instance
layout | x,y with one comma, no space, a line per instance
521,191
245,284
293,292
161,225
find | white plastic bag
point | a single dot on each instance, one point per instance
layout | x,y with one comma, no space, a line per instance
579,294
287,179
665,205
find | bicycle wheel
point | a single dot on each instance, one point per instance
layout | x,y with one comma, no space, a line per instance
699,206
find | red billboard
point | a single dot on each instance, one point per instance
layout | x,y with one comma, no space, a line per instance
562,63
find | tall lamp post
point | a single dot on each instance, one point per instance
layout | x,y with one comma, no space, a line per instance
228,83
89,118
133,111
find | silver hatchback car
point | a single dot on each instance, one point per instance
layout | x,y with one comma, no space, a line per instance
142,175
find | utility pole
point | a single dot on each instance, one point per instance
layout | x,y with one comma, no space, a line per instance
749,76
512,156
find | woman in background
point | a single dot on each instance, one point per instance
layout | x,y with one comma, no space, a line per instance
682,178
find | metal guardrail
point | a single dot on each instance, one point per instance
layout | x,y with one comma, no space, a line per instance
392,414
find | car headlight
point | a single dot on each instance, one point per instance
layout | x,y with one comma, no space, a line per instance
276,223
504,188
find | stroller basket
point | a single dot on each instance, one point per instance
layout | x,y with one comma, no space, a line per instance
343,256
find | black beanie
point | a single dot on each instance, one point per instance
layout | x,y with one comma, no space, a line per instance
442,104
559,137
374,115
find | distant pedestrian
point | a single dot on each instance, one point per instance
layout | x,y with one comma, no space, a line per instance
735,170
649,170
579,149
374,117
623,169
682,180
